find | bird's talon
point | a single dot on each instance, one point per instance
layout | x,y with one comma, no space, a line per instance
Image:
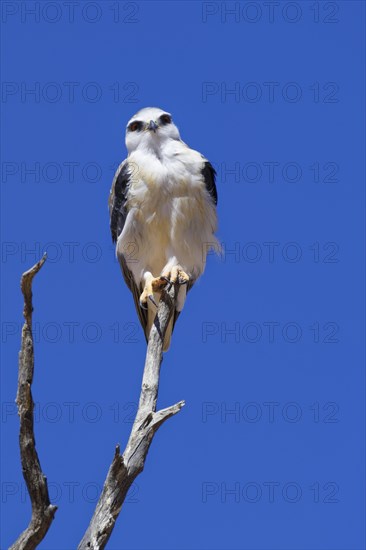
158,284
152,299
168,283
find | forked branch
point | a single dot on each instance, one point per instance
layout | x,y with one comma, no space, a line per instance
126,467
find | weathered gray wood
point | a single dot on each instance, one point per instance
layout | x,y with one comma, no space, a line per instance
42,510
126,467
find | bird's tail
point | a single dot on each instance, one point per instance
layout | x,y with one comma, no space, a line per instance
151,313
168,334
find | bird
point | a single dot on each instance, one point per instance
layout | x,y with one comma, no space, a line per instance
163,216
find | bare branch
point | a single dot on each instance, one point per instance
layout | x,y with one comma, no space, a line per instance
42,510
126,467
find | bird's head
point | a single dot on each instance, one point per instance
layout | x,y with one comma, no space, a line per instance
150,129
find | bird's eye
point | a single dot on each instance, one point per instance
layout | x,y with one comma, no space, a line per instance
165,119
134,126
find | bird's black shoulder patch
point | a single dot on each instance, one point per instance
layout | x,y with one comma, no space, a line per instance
209,177
118,202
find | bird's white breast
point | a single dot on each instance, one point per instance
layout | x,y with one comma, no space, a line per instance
170,213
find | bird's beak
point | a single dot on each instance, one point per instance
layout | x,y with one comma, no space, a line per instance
152,126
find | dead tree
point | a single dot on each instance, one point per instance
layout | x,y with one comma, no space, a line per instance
42,510
124,467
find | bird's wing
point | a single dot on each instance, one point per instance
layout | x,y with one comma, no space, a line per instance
136,292
117,200
118,214
209,177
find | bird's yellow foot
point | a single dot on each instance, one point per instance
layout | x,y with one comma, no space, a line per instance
157,284
175,275
152,285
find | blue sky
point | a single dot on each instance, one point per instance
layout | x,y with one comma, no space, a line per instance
268,453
